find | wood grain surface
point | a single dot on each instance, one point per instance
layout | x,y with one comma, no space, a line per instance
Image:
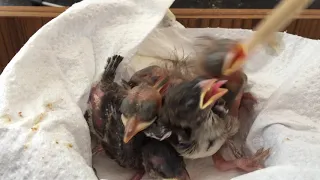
18,24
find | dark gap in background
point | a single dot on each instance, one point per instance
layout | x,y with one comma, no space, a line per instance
219,4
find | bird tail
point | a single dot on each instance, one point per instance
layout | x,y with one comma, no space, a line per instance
110,70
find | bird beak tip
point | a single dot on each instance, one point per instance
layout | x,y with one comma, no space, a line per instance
132,127
234,67
127,138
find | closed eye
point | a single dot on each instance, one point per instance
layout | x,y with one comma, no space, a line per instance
190,103
183,145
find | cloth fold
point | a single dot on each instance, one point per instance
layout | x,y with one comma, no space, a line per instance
44,89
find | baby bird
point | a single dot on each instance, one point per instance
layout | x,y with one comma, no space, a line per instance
112,110
139,109
196,130
162,78
104,118
224,59
160,160
220,57
201,123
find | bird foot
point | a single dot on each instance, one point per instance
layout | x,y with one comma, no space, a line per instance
138,175
246,164
253,163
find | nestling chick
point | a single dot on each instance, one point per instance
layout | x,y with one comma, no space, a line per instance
219,59
161,161
104,118
197,131
197,114
139,106
139,109
223,59
160,78
220,56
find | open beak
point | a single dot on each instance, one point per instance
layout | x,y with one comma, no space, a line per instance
211,92
235,59
132,126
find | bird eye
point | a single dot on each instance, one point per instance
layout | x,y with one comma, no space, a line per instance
190,103
127,107
149,108
183,145
146,112
124,105
154,79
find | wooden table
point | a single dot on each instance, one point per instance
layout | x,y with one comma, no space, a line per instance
18,24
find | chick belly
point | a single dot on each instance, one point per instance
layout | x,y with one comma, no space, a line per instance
203,150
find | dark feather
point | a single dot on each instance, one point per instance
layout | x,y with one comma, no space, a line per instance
161,160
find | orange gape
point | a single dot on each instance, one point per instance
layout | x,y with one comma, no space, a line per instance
235,59
239,53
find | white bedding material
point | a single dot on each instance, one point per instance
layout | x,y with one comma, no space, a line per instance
45,87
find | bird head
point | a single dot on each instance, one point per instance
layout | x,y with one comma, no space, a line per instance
221,56
140,108
211,91
186,104
161,161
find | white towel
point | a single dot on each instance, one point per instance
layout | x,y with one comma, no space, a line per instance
45,87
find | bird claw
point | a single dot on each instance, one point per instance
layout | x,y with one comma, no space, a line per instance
262,155
246,164
255,162
113,63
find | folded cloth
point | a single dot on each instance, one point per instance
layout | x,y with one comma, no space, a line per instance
45,87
